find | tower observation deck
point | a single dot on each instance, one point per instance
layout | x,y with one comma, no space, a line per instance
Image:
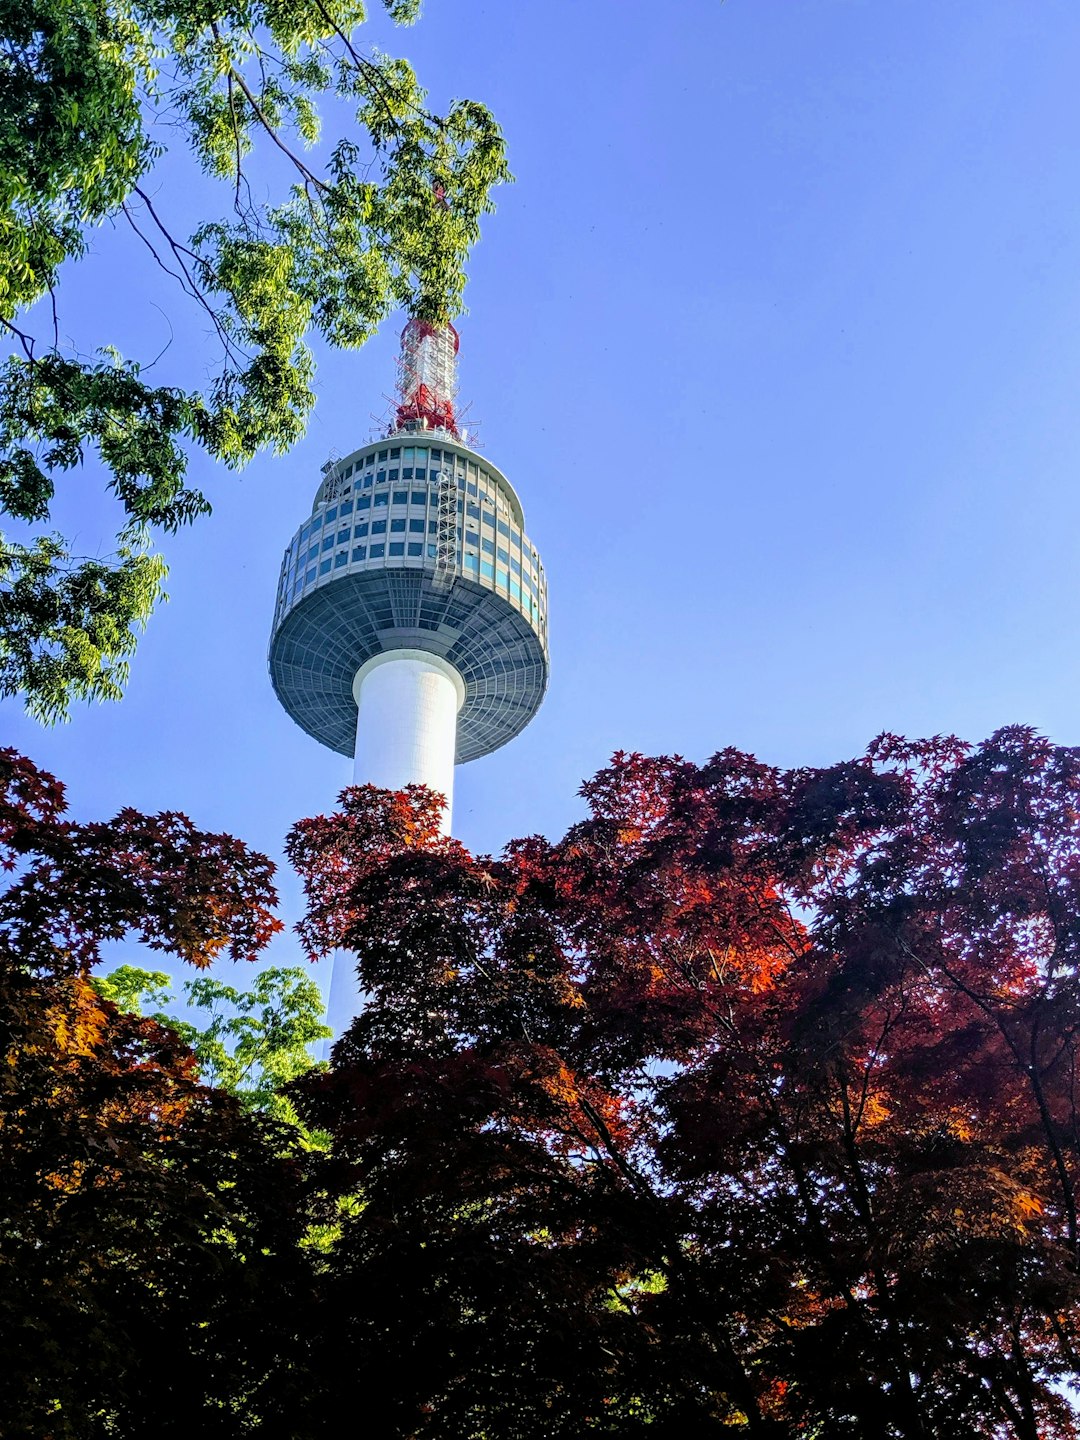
410,628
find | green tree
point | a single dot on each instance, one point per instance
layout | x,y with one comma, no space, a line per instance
250,1043
384,219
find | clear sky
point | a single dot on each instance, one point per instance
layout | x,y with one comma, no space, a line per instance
776,335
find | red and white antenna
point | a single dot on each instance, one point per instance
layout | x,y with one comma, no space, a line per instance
427,377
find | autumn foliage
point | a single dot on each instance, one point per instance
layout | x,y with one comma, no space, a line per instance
748,1107
148,1225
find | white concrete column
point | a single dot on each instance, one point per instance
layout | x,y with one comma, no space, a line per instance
406,734
406,723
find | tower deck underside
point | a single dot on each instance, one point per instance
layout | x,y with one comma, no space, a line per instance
323,641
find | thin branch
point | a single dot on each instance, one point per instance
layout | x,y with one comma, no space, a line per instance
185,278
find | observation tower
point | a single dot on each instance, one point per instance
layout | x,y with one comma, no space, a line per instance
410,629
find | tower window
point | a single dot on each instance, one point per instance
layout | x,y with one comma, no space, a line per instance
324,568
397,548
364,503
393,475
330,515
378,527
401,497
416,526
361,531
376,552
343,536
395,452
340,558
345,508
406,472
419,497
359,553
415,548
383,499
397,524
328,542
421,472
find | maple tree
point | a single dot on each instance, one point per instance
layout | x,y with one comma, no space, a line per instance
748,1106
150,1226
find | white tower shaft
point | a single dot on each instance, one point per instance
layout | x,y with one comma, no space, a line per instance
406,723
406,734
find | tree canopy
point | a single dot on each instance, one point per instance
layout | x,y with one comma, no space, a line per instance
150,1226
91,95
747,1107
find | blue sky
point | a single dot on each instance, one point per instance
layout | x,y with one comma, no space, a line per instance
776,335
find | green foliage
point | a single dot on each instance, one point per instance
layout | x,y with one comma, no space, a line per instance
250,1043
385,220
130,987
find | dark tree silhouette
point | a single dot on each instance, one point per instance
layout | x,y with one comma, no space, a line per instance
749,1105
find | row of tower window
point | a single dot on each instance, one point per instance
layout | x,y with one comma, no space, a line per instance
474,517
472,563
373,470
419,499
295,578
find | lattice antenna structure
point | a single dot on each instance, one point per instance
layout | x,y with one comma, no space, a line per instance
427,378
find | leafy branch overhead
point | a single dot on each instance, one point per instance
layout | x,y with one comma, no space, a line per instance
384,219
